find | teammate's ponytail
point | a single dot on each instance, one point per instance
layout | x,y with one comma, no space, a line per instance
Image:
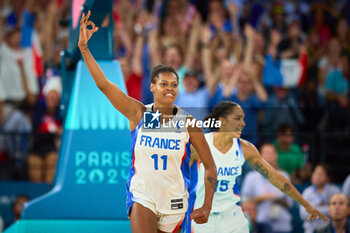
222,109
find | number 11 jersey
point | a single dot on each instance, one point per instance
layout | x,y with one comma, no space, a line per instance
159,172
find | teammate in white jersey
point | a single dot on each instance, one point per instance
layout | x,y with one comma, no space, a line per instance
229,153
157,186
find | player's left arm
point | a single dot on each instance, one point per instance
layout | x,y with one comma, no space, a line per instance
200,144
253,157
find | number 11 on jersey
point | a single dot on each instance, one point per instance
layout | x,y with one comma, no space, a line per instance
163,157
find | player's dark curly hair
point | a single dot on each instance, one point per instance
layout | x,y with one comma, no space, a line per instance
162,69
222,109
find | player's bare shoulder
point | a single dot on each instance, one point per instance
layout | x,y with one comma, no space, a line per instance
138,115
248,149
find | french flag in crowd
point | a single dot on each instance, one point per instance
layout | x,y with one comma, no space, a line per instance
30,39
285,72
37,53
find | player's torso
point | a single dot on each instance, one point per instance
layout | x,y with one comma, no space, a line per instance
229,168
161,158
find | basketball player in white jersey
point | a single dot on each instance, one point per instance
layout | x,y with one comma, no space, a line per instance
229,153
157,194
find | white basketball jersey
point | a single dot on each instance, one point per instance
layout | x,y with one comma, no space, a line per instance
160,171
229,168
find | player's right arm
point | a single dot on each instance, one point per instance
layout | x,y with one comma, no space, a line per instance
129,107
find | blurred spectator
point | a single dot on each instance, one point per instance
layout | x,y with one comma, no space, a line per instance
314,49
278,16
14,143
124,14
304,175
342,33
218,17
19,93
258,59
251,95
18,204
132,64
318,195
23,15
338,208
13,13
194,99
290,155
47,130
272,204
289,46
249,207
282,109
319,23
330,64
285,68
20,88
308,98
175,22
221,29
16,70
346,186
52,32
174,54
237,83
337,87
217,80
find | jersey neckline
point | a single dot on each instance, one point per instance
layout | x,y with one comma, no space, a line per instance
223,154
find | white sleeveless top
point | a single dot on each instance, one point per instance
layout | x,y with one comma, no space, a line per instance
229,168
160,171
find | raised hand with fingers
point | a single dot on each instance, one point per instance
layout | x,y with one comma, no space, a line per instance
205,34
85,33
232,8
275,37
249,31
315,214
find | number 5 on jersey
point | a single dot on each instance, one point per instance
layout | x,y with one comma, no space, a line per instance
163,157
223,185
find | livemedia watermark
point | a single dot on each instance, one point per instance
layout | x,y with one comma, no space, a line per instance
153,120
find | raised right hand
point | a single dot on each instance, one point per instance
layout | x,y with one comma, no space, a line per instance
85,33
275,37
206,34
249,31
232,8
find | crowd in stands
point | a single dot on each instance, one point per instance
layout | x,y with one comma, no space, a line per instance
287,63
